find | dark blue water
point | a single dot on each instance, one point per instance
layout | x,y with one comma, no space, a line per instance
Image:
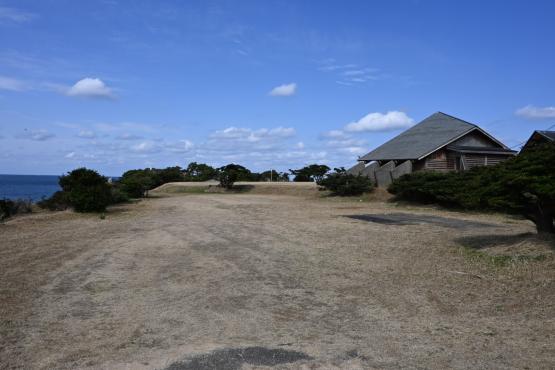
32,187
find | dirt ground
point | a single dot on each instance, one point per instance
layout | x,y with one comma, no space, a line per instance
254,281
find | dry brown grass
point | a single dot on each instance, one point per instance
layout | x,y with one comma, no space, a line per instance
182,275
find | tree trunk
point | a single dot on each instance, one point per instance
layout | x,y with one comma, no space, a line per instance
544,221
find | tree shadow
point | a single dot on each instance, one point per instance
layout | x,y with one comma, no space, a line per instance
481,242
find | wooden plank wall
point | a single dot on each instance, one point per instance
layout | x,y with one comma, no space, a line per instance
439,161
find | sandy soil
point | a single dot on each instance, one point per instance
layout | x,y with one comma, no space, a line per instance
248,281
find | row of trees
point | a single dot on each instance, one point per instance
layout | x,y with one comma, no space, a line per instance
86,190
136,183
523,185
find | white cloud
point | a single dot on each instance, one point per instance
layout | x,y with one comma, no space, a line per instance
146,147
249,135
284,90
70,155
533,112
36,135
91,88
182,146
334,134
86,134
15,15
299,145
392,120
12,84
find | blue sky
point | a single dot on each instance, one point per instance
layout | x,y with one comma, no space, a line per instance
114,85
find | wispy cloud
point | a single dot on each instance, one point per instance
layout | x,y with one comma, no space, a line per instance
182,146
284,90
350,74
15,15
12,84
343,142
334,134
146,147
533,112
376,122
252,136
91,88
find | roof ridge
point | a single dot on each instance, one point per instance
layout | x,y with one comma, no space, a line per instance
457,118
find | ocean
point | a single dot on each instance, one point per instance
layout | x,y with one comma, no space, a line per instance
32,187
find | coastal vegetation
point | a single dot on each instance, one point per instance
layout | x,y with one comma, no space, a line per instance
523,185
85,190
341,183
313,172
10,207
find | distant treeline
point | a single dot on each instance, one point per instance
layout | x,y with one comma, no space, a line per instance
86,190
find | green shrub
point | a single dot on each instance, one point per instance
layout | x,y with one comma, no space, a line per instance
57,202
523,185
136,184
118,195
228,175
9,208
427,187
170,174
200,172
86,190
314,172
343,184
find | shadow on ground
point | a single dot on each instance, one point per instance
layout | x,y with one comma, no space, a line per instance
496,240
415,219
234,358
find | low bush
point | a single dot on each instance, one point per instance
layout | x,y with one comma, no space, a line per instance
228,175
343,184
137,183
427,187
522,185
57,202
118,195
9,208
86,190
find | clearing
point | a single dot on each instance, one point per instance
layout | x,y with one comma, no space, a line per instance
252,281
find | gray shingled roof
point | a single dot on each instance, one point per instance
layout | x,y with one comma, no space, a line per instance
548,134
422,139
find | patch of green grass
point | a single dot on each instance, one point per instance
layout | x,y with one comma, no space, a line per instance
499,261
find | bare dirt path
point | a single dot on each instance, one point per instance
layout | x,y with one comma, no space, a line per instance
231,281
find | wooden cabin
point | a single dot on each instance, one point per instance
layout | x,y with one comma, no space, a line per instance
439,143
